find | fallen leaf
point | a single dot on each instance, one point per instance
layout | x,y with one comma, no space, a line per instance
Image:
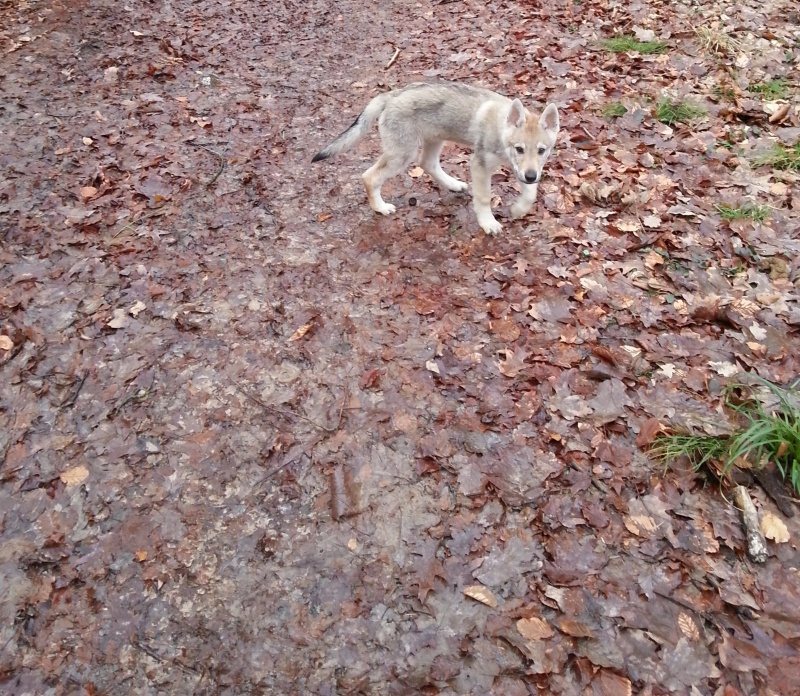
136,308
324,216
481,594
688,627
6,343
512,363
87,141
299,333
576,629
505,329
609,684
780,114
640,525
724,368
416,172
534,629
74,476
141,556
119,320
88,192
648,432
774,528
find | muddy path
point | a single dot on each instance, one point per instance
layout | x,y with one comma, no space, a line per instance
255,439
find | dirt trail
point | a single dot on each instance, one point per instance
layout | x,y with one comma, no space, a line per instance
257,440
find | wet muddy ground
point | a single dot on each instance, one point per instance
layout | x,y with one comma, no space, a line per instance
255,439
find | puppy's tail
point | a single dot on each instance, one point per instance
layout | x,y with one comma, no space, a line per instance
353,135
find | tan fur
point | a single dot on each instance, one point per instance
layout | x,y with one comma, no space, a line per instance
426,115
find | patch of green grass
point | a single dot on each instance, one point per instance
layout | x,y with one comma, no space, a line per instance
614,110
771,89
781,157
725,93
769,430
671,112
628,44
748,211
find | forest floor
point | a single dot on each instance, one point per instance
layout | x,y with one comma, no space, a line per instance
256,439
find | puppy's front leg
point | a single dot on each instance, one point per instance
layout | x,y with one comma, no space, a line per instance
524,202
482,195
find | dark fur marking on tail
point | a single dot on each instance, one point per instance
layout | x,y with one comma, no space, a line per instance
322,154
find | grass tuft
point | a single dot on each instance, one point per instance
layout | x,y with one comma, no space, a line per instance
614,110
717,41
630,44
769,430
781,157
748,211
672,112
726,93
771,89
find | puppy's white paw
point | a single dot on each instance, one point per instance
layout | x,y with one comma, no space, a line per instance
519,210
385,209
491,226
456,185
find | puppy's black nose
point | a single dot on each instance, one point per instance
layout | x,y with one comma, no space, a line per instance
531,176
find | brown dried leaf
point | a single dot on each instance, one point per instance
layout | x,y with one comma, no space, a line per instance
302,331
534,629
780,114
576,629
640,525
688,627
648,432
74,476
481,594
505,329
610,684
774,528
513,363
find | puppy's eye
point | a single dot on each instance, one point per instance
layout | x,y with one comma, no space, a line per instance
519,148
542,149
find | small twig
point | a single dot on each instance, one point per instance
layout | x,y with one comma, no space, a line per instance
393,59
291,414
681,603
136,643
68,403
221,162
756,544
147,216
47,112
646,243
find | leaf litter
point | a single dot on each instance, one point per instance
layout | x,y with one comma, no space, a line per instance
256,440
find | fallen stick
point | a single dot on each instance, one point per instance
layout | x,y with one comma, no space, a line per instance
394,58
756,544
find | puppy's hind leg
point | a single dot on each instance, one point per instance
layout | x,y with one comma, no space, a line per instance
430,163
394,159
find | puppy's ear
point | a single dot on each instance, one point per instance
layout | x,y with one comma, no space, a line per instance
549,119
516,114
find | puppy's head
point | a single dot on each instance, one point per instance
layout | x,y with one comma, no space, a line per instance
529,142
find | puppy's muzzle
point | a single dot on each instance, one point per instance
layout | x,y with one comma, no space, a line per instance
531,176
